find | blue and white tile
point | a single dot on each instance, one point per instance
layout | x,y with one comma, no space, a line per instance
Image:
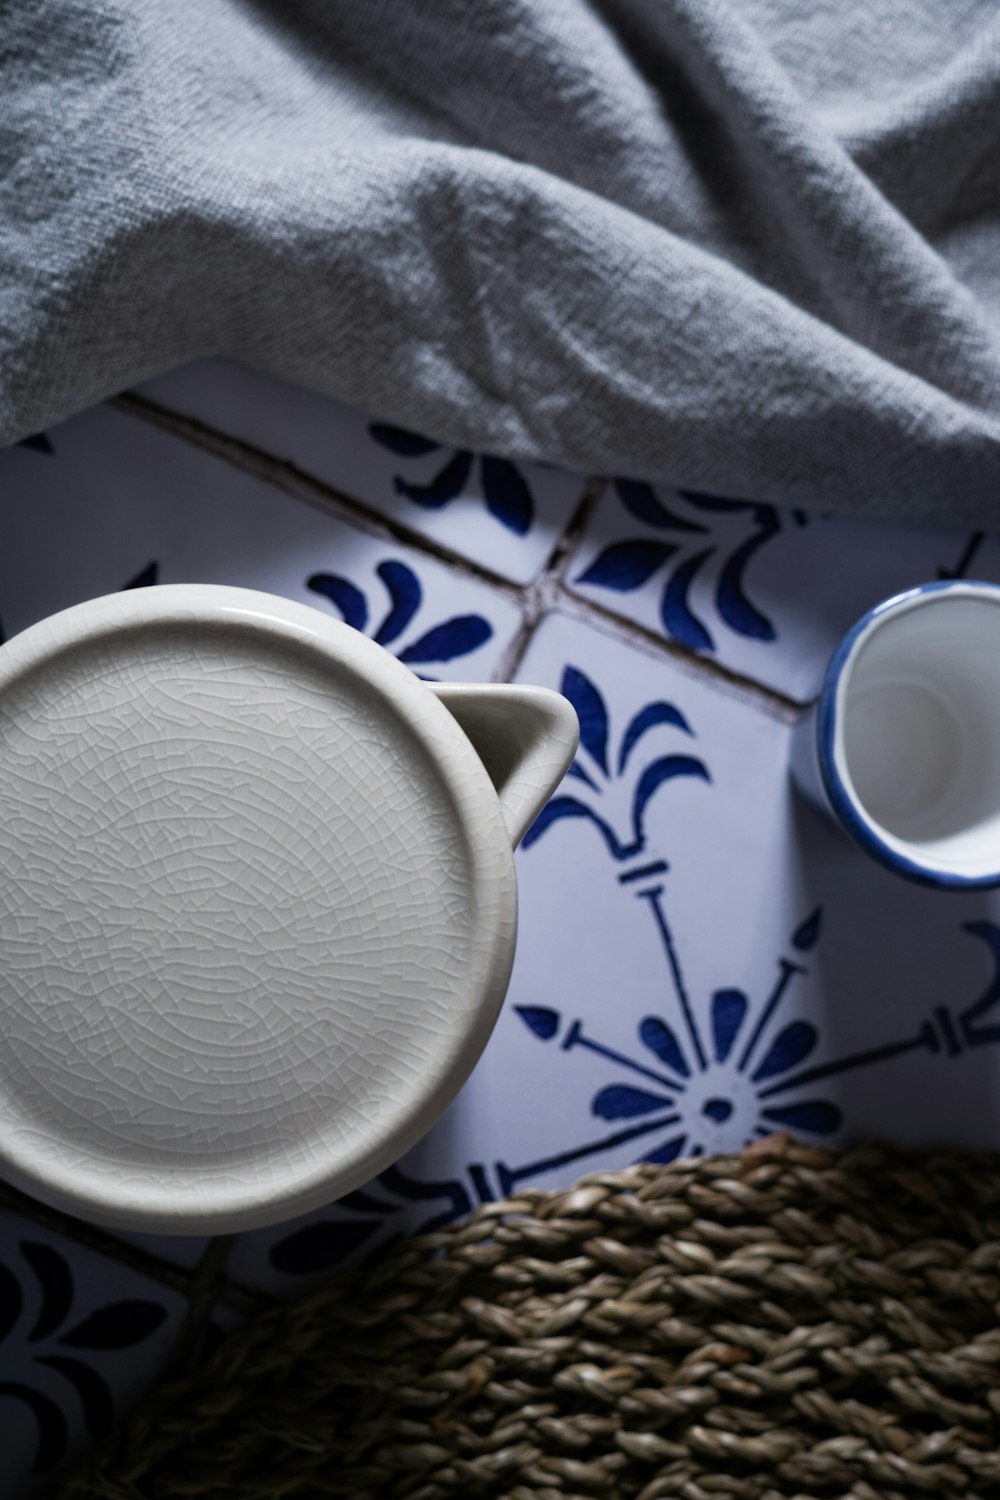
115,502
765,592
507,517
701,961
81,1338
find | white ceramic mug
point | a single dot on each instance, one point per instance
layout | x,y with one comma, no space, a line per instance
257,902
902,749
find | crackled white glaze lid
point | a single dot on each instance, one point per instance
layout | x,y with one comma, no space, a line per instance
257,908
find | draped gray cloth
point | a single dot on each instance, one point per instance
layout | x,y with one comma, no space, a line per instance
749,245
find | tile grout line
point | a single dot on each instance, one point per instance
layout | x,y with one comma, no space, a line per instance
282,474
534,598
101,1242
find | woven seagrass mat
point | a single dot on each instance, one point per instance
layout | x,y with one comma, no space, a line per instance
785,1323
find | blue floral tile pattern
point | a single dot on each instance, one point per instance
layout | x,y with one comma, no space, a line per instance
77,529
697,967
766,592
79,1339
505,517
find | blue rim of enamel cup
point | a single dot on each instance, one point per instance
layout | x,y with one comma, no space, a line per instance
843,799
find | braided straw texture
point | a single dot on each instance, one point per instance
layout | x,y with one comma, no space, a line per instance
785,1323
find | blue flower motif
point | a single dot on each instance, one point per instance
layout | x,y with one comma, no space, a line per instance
595,769
628,565
504,487
39,441
452,638
707,1094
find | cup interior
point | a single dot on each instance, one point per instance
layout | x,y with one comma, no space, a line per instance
918,739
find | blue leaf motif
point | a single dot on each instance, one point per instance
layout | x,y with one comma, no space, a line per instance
732,603
540,1020
398,440
342,595
405,593
655,1034
807,933
318,1246
647,718
91,1388
789,1047
149,576
11,1301
40,441
668,1152
56,1282
507,496
818,1116
53,1433
641,501
119,1325
620,1101
653,777
569,807
458,637
447,483
717,503
729,1007
679,620
591,712
627,565
580,773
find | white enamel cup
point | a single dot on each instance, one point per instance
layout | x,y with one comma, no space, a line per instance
902,749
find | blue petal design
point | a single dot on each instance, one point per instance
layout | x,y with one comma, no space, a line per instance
732,603
342,595
39,441
818,1116
56,1283
668,1152
117,1326
729,1007
590,710
149,576
789,1047
976,1032
653,777
679,621
11,1301
620,1101
569,807
647,718
399,440
807,933
581,773
507,496
414,1191
53,1433
627,565
540,1020
458,637
405,592
91,1388
641,501
447,483
319,1246
655,1034
718,503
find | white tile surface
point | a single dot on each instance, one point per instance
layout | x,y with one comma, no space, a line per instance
774,591
334,443
118,497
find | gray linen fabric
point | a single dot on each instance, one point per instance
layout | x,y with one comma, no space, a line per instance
751,245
